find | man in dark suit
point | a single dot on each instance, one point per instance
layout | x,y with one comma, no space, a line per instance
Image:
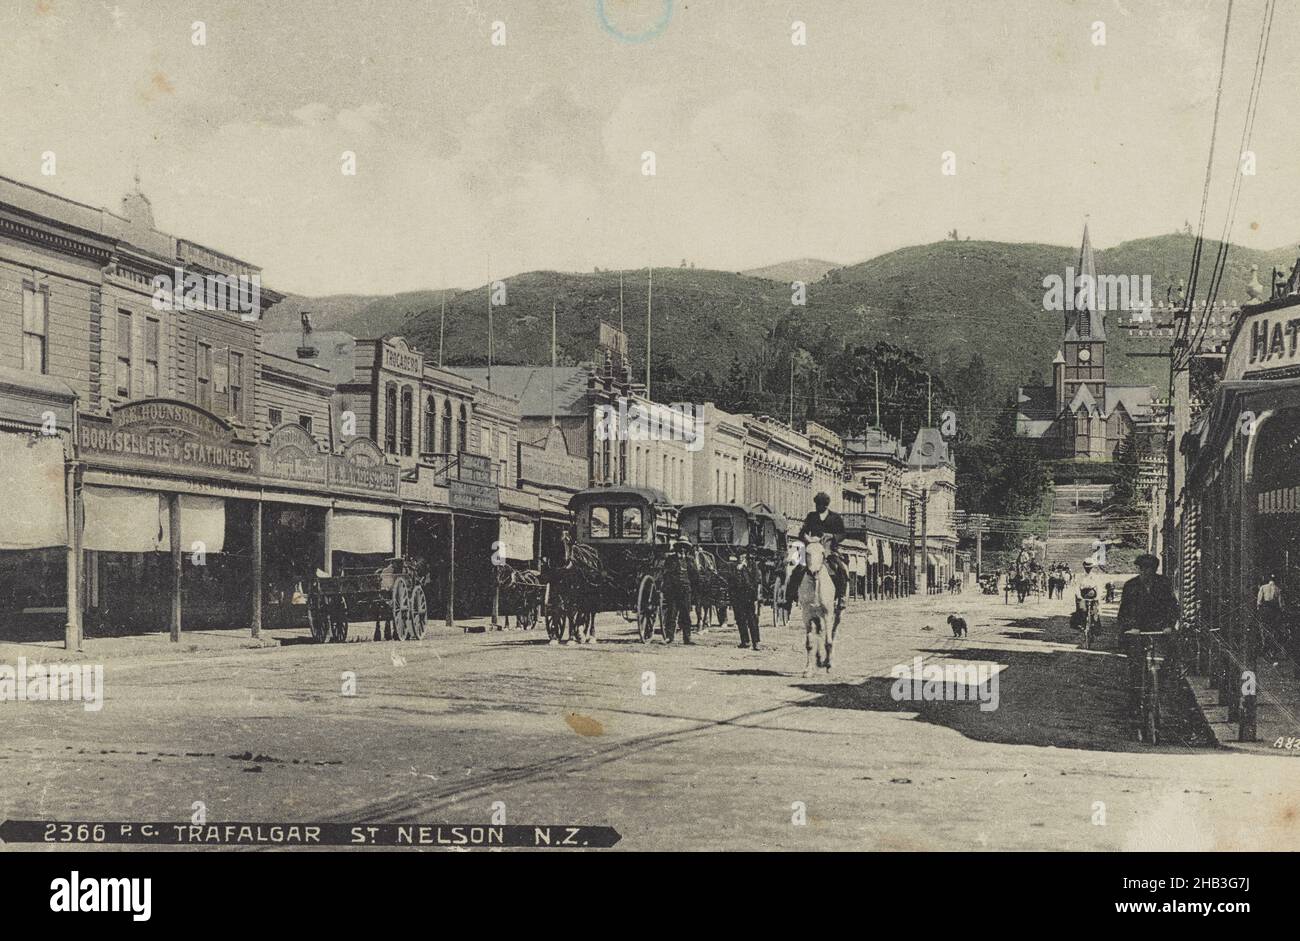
828,526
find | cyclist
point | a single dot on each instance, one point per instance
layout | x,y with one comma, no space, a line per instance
1147,603
1088,587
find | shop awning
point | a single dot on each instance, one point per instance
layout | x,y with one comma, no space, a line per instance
887,553
516,539
936,561
203,523
31,473
362,533
120,520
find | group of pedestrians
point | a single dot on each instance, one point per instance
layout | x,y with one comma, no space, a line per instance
681,585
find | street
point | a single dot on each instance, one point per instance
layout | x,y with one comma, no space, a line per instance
707,747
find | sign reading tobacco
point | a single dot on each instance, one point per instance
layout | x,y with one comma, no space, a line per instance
168,435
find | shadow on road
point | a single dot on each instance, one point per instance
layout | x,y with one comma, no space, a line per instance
1064,698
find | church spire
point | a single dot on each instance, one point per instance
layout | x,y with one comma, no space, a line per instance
1088,324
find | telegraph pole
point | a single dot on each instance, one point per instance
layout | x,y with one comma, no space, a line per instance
649,302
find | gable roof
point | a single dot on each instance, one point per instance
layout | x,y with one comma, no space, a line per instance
531,385
1136,400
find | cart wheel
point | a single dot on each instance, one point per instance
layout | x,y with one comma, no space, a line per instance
318,617
780,617
339,620
419,613
401,609
648,603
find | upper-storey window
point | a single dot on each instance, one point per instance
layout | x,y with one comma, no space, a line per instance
446,426
407,422
430,424
237,384
390,418
124,352
462,430
203,374
36,317
151,329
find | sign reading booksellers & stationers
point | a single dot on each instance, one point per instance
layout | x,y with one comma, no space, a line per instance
166,435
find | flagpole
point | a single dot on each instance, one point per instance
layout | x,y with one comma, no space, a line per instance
620,302
442,327
792,390
552,364
649,301
489,343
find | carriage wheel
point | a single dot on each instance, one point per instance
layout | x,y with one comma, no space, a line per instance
338,619
527,616
780,617
318,618
400,601
419,613
648,604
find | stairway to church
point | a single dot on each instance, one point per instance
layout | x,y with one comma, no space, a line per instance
1076,523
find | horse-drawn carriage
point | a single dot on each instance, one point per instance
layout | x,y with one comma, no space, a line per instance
723,533
392,596
613,564
775,562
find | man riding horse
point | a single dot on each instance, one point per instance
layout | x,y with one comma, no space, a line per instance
827,525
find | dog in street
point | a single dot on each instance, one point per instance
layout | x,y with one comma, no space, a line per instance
958,625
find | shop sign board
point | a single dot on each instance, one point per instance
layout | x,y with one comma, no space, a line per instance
167,435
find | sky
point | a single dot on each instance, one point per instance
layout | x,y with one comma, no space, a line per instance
476,161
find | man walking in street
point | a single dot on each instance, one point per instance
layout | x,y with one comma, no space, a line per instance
681,579
742,587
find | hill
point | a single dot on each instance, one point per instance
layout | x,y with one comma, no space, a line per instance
806,270
947,300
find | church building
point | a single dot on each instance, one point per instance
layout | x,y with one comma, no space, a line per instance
1082,416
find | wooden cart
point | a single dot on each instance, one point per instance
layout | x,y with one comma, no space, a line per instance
392,596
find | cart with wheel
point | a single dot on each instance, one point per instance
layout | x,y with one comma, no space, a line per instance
392,596
614,562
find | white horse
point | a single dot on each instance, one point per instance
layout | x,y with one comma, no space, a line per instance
817,600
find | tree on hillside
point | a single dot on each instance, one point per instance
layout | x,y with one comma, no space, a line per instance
1005,476
849,398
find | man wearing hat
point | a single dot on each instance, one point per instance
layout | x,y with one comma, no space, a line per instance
680,581
828,526
1147,602
1088,587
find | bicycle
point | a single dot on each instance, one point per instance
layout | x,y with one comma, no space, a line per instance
1148,692
1091,618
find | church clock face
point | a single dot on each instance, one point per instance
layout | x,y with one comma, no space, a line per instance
1085,354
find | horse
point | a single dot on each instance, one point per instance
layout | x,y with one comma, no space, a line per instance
711,592
817,601
570,595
